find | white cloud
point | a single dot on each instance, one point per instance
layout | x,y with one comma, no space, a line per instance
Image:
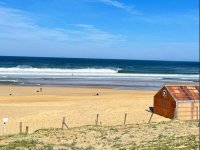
120,5
89,32
16,25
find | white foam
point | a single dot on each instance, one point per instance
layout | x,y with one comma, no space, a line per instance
24,71
8,80
54,71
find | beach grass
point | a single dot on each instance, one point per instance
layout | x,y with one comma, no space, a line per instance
110,137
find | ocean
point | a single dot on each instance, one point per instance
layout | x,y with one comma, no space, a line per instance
122,74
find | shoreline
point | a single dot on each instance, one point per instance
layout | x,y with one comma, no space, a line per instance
97,86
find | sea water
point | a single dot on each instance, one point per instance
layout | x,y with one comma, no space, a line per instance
124,74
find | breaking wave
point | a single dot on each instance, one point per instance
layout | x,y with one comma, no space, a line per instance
28,71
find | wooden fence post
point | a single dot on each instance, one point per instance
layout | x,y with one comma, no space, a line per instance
150,117
125,118
20,127
4,129
26,129
63,121
97,120
64,124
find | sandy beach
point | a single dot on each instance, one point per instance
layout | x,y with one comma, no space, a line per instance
78,104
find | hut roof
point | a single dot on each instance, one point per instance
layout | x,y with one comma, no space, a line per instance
186,92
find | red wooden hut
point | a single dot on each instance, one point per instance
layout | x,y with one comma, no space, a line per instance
177,102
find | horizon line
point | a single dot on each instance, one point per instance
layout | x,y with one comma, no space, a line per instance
99,58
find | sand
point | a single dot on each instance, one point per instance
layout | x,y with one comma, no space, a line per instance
79,105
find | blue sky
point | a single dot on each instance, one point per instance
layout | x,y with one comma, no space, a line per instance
128,29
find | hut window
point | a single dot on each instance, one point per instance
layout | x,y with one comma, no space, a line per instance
164,93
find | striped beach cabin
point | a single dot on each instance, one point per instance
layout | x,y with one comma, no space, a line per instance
177,102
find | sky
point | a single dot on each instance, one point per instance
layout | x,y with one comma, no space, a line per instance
117,29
